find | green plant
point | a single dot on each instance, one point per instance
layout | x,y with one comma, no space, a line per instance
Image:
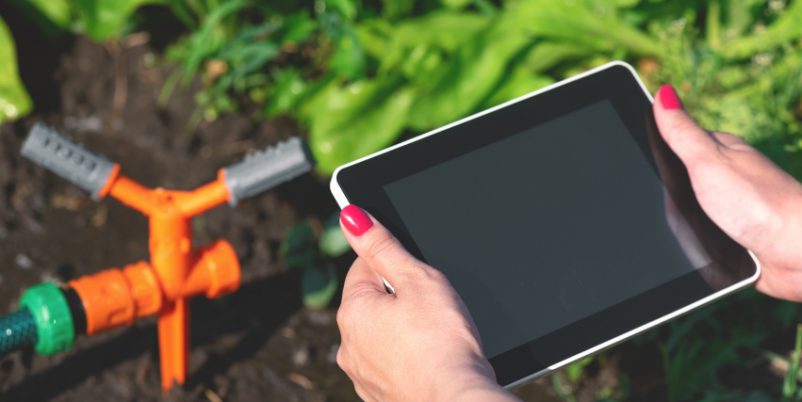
311,253
98,19
696,348
359,76
791,391
14,100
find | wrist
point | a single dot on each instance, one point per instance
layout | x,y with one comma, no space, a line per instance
483,389
477,382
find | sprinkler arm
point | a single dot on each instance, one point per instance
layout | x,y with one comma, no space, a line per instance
94,173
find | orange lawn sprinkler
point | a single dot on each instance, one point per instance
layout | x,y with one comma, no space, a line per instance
50,316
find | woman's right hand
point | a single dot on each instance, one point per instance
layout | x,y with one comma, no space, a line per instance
743,192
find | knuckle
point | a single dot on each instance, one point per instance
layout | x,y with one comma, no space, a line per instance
340,358
344,316
683,124
381,246
436,274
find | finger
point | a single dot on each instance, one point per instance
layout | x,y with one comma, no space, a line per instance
378,247
680,131
361,280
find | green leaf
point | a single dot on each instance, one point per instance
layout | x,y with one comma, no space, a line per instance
791,382
207,40
14,100
546,55
392,9
582,24
319,286
59,12
332,241
345,8
348,58
287,89
520,82
785,29
298,249
102,19
574,370
437,29
457,88
352,121
297,28
741,15
456,4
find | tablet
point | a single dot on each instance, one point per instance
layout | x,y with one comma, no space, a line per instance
562,219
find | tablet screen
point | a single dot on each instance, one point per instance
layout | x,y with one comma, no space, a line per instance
533,230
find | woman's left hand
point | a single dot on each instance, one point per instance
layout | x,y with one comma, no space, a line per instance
418,344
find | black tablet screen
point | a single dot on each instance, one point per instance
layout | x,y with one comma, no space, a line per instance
548,226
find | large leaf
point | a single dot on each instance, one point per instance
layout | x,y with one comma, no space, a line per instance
579,22
520,82
546,55
59,12
102,19
14,100
435,29
457,88
357,119
785,29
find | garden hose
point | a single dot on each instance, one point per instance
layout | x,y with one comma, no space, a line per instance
17,330
44,321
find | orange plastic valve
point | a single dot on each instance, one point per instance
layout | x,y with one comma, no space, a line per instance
176,272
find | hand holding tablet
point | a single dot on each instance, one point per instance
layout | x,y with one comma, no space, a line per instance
425,321
599,239
747,196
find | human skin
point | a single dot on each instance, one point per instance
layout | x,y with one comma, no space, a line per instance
420,343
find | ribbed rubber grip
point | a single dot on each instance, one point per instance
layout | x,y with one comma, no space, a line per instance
17,330
67,159
267,169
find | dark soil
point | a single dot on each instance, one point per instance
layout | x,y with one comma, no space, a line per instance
255,345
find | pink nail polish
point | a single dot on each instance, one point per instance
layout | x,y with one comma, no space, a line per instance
355,220
668,97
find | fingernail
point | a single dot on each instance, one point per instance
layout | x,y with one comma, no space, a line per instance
669,98
355,220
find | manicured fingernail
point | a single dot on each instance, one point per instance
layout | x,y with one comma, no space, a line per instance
355,220
669,98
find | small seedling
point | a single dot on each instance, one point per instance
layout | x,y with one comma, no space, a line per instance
304,250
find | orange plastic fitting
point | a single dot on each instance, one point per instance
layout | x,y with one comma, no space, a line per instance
117,297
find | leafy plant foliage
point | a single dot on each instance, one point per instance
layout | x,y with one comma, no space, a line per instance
360,76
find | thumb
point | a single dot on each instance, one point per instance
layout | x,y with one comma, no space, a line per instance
679,130
373,243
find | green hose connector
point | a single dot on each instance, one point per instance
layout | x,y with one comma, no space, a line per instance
51,313
17,330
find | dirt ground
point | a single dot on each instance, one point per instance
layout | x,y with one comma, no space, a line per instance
258,344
